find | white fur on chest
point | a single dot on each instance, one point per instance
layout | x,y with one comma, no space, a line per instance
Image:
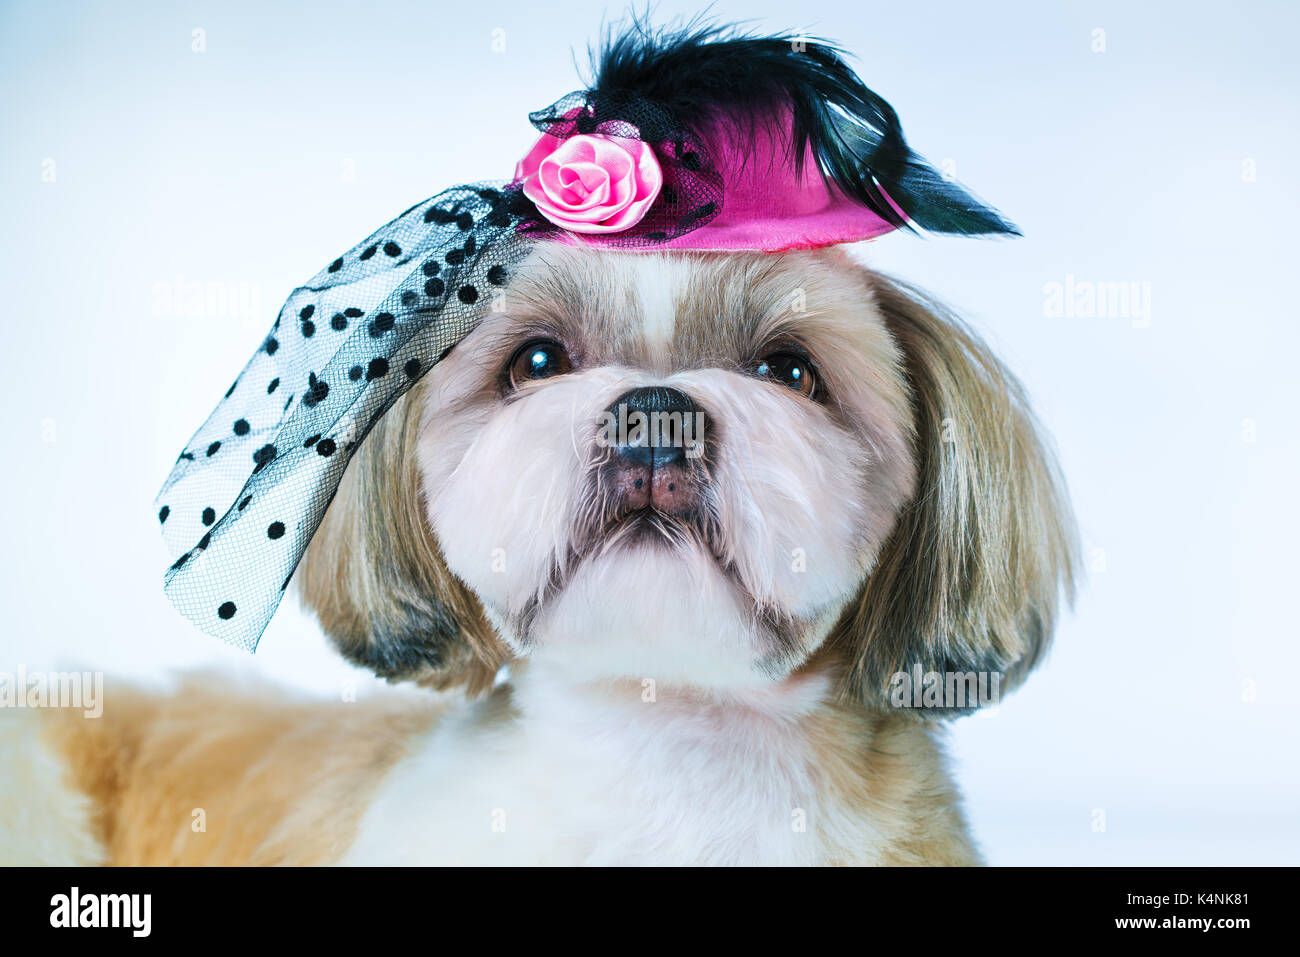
624,774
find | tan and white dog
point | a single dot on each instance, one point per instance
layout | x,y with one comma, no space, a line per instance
701,636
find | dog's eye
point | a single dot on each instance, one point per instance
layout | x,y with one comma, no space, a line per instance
791,370
540,359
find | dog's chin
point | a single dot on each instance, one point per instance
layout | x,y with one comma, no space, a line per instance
652,604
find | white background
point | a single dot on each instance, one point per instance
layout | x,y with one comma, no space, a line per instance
1166,708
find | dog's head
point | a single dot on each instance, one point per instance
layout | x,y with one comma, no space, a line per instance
705,469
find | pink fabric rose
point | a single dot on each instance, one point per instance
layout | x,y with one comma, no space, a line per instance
591,182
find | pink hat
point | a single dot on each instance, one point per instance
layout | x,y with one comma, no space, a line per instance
770,203
733,143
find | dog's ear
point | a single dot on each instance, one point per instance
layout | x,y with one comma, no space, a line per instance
970,579
376,578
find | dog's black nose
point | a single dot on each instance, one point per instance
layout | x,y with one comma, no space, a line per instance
659,431
658,436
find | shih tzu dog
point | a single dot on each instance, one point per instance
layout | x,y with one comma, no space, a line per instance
697,536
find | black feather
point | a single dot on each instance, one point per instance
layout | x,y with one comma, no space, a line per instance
699,71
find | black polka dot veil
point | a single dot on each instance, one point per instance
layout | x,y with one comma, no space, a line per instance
250,488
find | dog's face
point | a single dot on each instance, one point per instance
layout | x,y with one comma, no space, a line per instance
692,468
669,467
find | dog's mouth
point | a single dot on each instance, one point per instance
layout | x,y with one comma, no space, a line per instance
649,527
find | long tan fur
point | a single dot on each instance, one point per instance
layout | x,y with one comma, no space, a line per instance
207,777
